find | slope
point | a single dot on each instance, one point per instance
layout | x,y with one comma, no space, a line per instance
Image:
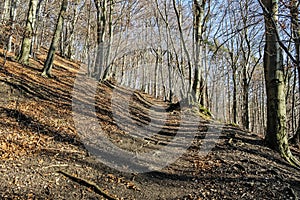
45,129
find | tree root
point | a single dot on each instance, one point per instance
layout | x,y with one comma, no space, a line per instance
89,184
291,159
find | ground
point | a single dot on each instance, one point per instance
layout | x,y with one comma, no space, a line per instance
44,156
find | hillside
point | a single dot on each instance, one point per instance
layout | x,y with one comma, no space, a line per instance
43,153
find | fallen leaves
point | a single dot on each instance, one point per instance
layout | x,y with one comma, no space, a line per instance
123,181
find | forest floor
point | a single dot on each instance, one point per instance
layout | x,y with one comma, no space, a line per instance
43,154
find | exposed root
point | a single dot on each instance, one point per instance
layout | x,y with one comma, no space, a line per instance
291,159
88,183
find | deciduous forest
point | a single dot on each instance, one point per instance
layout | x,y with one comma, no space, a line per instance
149,99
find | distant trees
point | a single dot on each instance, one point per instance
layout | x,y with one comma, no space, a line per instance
68,34
209,52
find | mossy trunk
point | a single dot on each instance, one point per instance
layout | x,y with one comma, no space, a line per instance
54,44
198,83
27,38
276,137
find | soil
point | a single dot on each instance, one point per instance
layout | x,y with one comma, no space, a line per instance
45,152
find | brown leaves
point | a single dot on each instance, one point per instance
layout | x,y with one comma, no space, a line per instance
19,143
126,183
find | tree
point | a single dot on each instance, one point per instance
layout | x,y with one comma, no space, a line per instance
109,70
249,61
49,61
101,6
199,22
5,10
12,18
190,97
276,136
27,38
294,10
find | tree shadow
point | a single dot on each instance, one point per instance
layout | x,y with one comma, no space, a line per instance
36,127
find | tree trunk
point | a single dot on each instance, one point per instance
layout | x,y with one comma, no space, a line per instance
70,43
234,100
87,45
37,28
276,137
5,13
27,38
190,96
296,35
198,83
245,116
109,67
233,61
50,57
12,17
101,6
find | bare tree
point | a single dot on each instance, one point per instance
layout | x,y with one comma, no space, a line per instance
101,6
27,38
199,27
12,18
5,10
54,44
294,11
276,136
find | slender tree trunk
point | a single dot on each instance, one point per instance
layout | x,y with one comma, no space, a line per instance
37,28
157,63
41,30
101,6
234,95
109,67
245,116
190,96
12,17
87,41
27,38
54,44
234,100
70,46
5,13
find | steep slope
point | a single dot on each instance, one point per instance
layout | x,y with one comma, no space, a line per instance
48,125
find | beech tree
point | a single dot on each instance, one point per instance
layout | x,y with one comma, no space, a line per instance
276,136
294,11
109,69
199,23
12,18
5,10
101,6
27,38
55,41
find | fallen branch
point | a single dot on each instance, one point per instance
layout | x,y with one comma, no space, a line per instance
58,165
88,183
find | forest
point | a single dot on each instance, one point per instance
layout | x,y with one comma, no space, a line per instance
177,99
